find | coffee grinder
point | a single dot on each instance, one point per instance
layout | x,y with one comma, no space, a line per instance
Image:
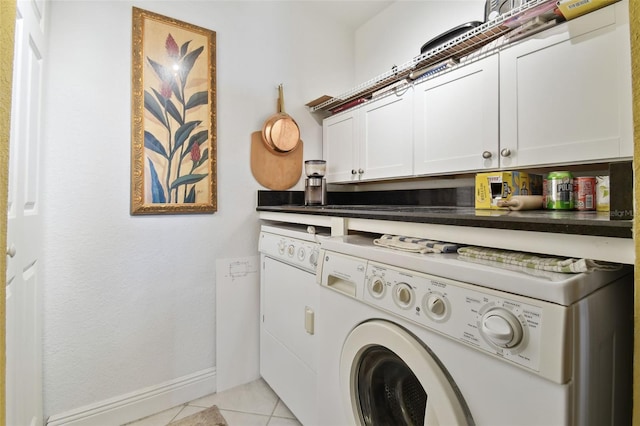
315,186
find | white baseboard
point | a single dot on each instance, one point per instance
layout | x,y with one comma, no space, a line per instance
141,403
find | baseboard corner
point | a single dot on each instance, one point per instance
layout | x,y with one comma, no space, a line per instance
141,403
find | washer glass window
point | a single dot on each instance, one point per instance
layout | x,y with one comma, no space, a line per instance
388,391
388,375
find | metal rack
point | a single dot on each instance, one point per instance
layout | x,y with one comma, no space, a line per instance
453,49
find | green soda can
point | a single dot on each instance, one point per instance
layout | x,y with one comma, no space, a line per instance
560,191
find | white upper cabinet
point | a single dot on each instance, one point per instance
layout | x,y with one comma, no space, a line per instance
565,94
339,146
561,96
386,148
456,119
373,141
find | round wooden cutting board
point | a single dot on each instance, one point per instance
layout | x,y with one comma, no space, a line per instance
275,171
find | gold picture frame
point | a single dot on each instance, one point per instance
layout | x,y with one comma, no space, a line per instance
173,150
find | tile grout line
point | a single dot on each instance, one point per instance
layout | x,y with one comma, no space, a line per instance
273,411
178,413
252,413
200,406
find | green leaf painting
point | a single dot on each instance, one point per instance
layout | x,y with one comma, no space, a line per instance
157,194
177,159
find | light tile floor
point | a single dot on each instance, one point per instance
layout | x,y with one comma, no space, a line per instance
253,404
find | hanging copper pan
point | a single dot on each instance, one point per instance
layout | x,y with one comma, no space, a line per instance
280,132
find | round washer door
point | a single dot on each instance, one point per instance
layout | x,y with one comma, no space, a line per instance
389,377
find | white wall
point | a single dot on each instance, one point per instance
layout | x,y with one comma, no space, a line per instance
395,36
129,301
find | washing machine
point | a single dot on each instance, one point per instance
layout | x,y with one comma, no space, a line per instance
431,339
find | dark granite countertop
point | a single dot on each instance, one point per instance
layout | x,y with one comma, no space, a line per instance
564,222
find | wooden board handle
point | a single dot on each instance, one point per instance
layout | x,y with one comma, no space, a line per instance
522,202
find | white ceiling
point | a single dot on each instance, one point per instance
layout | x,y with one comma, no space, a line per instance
353,13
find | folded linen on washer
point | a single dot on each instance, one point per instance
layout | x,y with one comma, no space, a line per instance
528,260
415,245
538,273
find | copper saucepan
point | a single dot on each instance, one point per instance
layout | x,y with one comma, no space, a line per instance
280,132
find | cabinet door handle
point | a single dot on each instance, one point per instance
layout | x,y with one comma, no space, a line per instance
353,171
360,171
486,155
505,152
309,320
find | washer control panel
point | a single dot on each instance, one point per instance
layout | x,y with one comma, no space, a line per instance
294,251
503,324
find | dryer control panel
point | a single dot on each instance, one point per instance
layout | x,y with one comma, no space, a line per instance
294,251
505,325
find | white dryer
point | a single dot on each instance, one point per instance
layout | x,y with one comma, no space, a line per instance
288,297
411,339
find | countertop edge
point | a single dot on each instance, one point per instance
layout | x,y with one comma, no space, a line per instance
598,228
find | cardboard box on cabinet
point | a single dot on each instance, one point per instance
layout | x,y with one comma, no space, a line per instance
573,8
494,186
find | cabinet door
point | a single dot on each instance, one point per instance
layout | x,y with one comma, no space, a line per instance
456,119
339,139
386,147
565,94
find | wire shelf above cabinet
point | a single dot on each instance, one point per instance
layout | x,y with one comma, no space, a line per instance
446,54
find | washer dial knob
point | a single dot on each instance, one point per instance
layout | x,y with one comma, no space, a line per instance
436,305
501,327
403,295
376,286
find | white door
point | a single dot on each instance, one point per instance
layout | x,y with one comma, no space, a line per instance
288,348
339,145
456,119
386,149
23,292
565,95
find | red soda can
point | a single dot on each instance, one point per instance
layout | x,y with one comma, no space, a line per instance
585,192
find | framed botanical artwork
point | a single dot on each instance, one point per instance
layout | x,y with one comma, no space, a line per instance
173,150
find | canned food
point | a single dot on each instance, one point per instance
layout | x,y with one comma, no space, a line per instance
585,193
602,193
560,191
